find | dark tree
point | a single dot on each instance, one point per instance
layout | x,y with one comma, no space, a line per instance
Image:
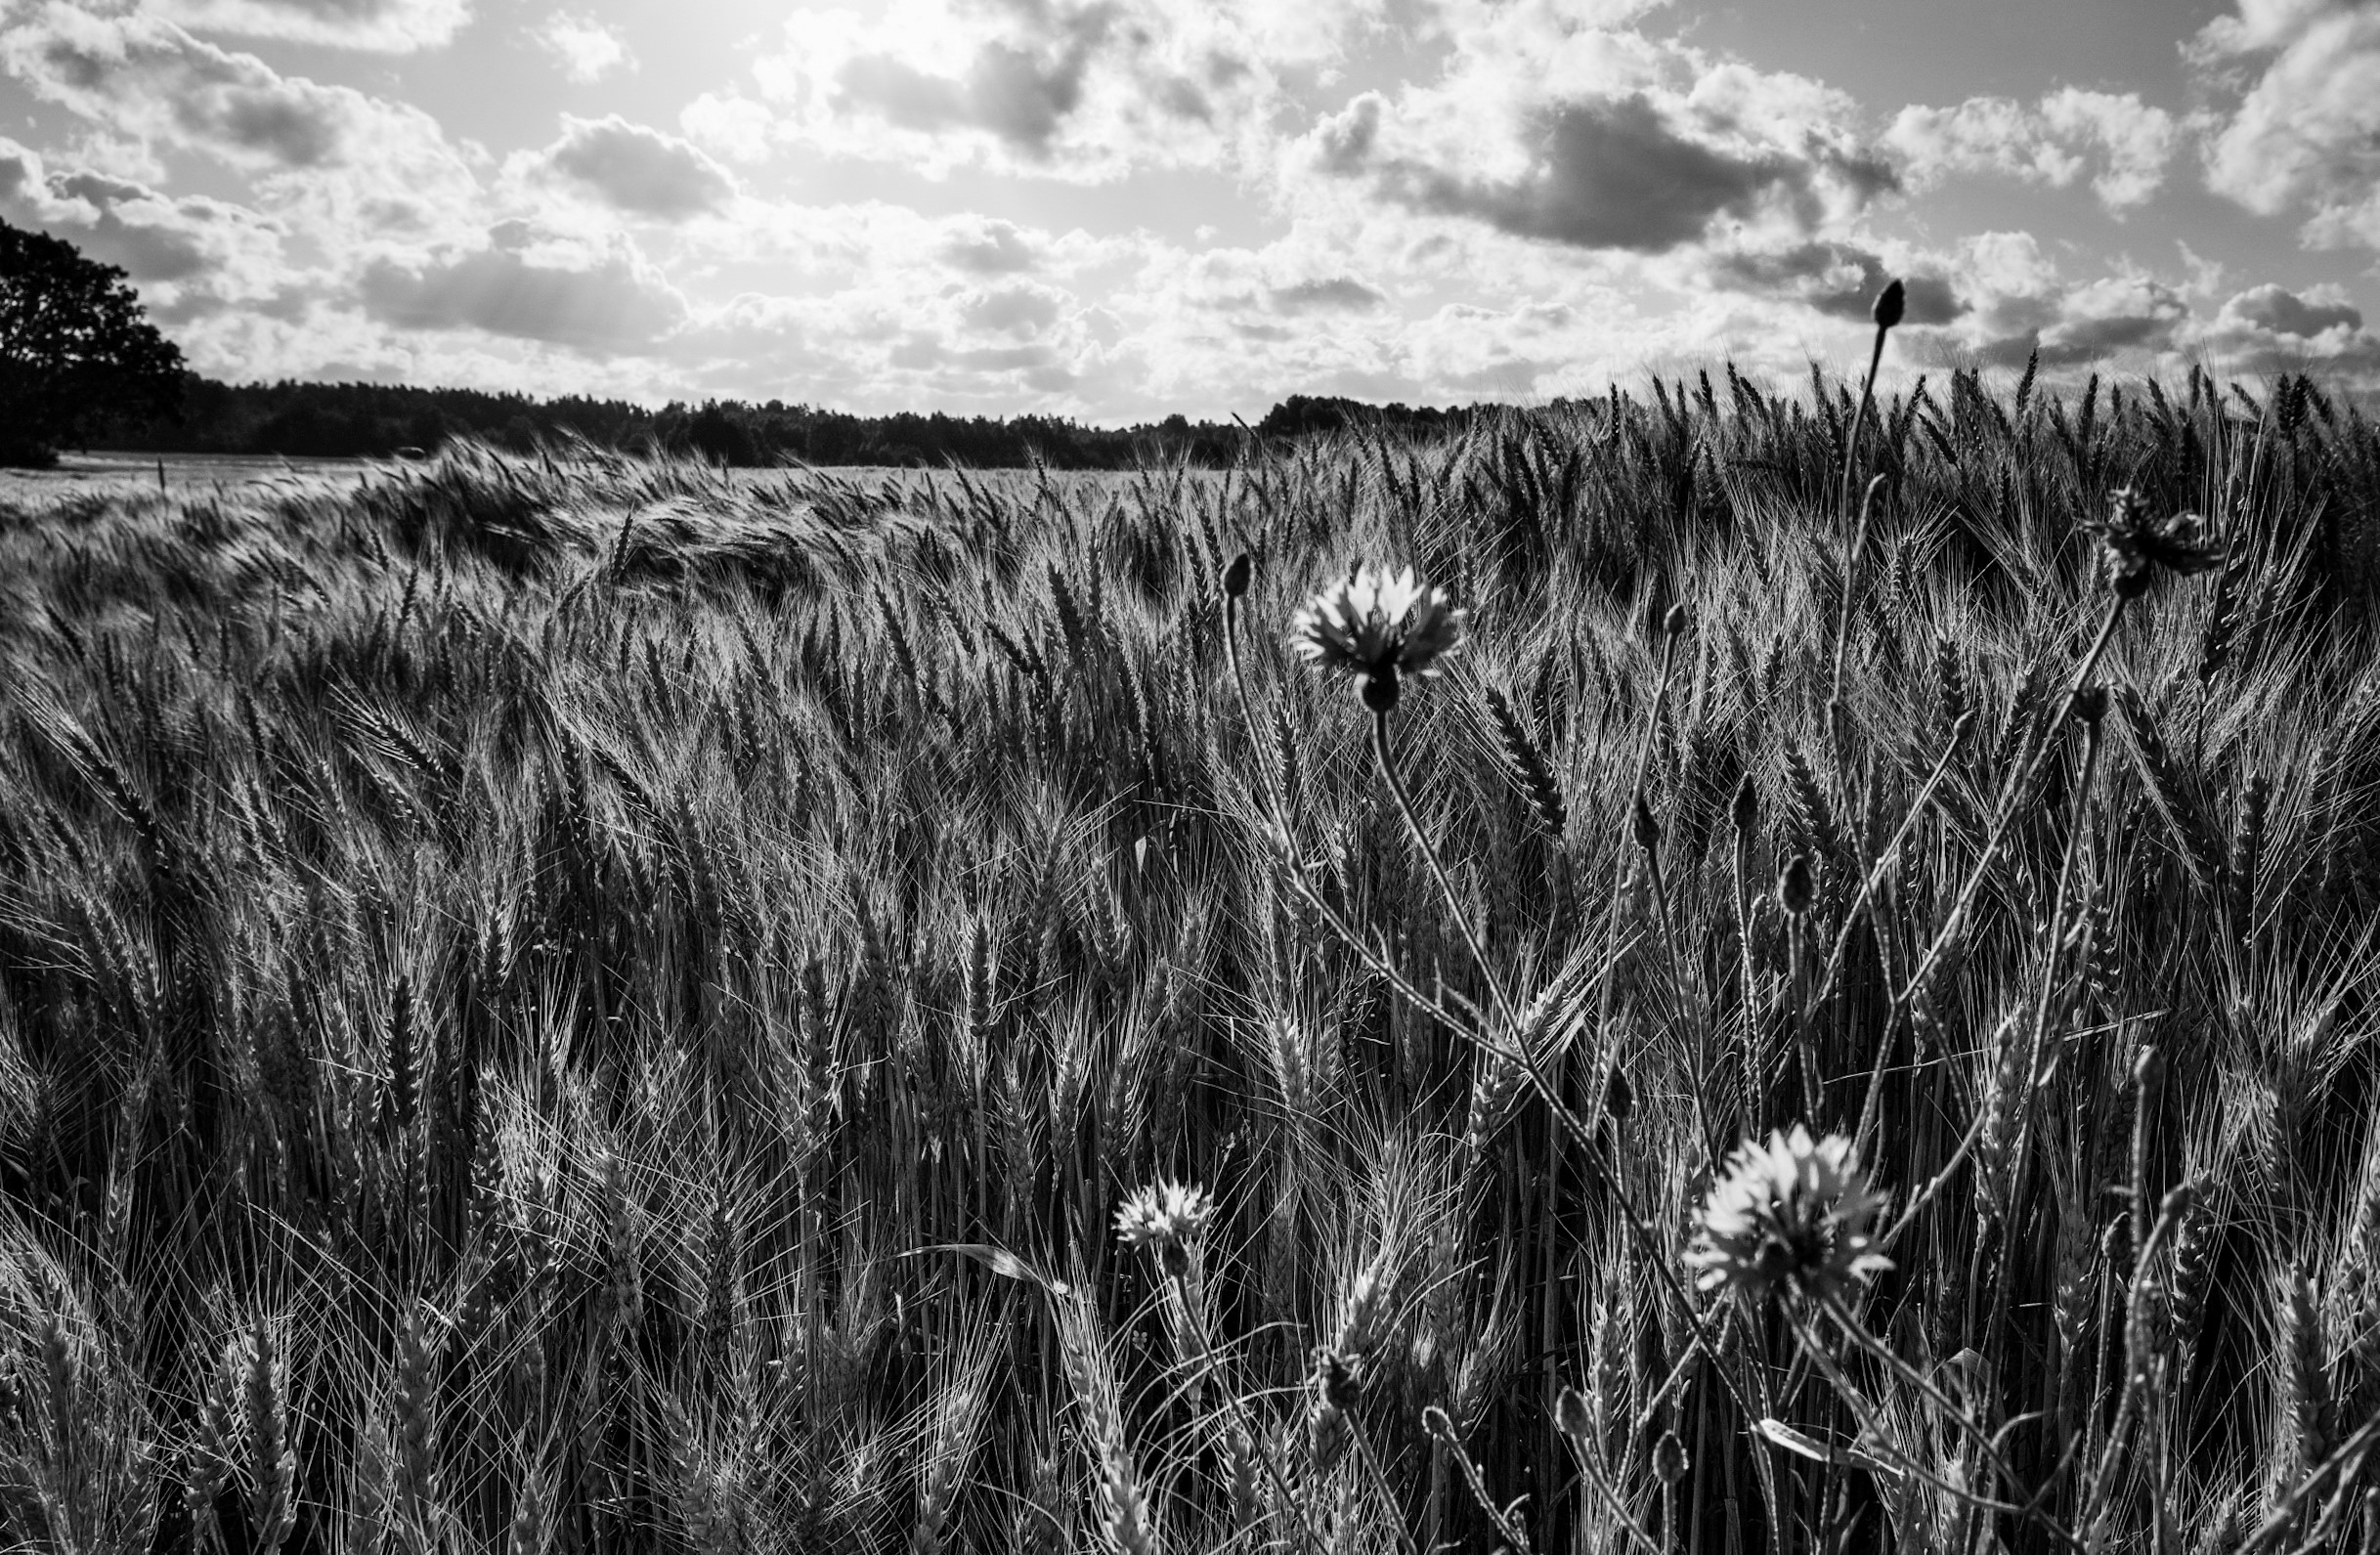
76,354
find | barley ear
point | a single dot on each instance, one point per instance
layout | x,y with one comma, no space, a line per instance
1524,763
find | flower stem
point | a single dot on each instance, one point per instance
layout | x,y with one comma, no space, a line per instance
1384,753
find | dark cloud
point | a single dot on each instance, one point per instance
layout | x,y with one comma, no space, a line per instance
142,77
148,251
1837,281
922,351
193,244
1610,174
2282,312
392,25
1343,142
2080,342
1020,96
1338,294
638,170
1013,310
2270,330
993,247
611,304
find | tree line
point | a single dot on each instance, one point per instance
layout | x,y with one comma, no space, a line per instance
329,421
82,366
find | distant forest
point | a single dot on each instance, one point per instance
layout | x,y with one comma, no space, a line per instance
370,420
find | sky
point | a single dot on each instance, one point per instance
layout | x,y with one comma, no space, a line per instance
1114,210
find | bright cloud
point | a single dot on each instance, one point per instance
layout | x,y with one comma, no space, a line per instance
2122,142
585,50
1553,125
1121,208
635,169
378,25
2305,137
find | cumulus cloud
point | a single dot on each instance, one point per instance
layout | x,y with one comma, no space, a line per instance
2126,144
2270,329
2305,136
585,49
982,246
386,25
1839,281
187,254
596,298
1330,294
1550,123
2279,311
363,164
636,169
1080,89
1614,174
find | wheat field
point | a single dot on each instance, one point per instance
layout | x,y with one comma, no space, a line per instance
573,1004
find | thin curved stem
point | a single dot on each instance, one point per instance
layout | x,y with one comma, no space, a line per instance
2004,808
1384,754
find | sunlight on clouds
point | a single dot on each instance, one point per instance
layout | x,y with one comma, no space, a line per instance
2306,135
1547,127
600,298
1065,90
1437,200
2068,133
636,170
395,27
585,50
366,167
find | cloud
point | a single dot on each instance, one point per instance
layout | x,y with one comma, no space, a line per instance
2305,136
1013,309
594,298
1333,294
1606,175
1839,281
360,163
636,169
1077,89
2270,330
585,50
2068,133
187,254
395,27
1551,124
984,247
2279,311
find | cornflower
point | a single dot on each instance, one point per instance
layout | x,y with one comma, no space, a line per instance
1791,1214
1164,1219
1378,627
2132,545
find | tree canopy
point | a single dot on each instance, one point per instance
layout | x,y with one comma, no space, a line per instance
77,354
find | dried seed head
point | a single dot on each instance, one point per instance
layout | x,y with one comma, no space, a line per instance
1642,826
1890,304
1572,1414
1618,1096
1236,577
2091,705
1669,1456
1796,888
1747,806
2134,546
1674,623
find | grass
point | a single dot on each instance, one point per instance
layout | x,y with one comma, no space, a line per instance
590,1006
